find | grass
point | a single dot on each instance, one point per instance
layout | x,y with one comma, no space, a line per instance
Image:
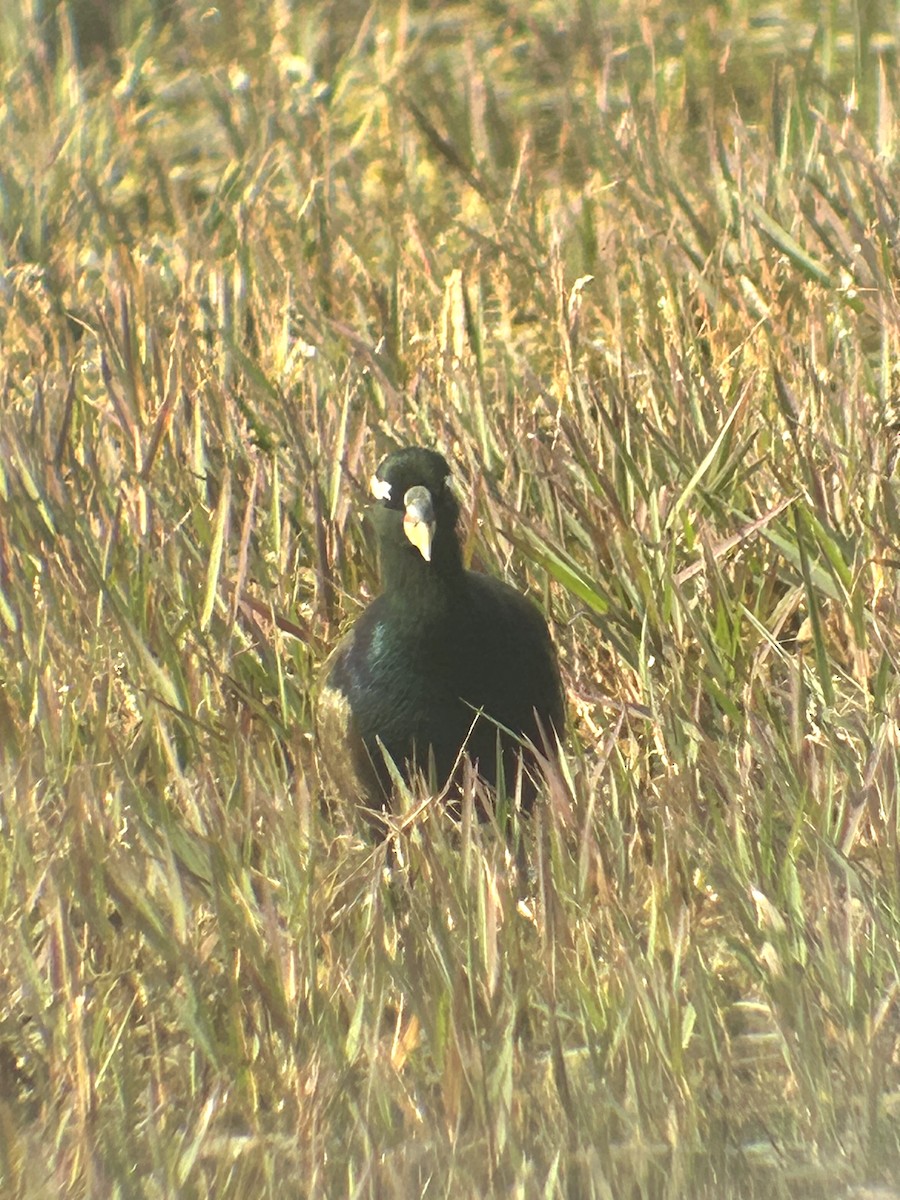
634,270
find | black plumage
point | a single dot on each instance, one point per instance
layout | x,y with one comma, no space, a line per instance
443,659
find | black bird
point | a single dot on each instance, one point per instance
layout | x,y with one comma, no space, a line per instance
443,659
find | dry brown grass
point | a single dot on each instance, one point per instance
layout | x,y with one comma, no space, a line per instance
635,274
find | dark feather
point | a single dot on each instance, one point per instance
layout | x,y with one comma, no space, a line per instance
443,659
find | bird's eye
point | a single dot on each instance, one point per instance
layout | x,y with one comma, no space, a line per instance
380,489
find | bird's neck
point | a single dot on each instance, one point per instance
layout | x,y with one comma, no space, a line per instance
417,585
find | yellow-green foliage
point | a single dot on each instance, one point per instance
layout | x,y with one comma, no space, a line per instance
634,269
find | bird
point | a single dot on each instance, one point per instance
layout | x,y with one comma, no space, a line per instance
445,661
